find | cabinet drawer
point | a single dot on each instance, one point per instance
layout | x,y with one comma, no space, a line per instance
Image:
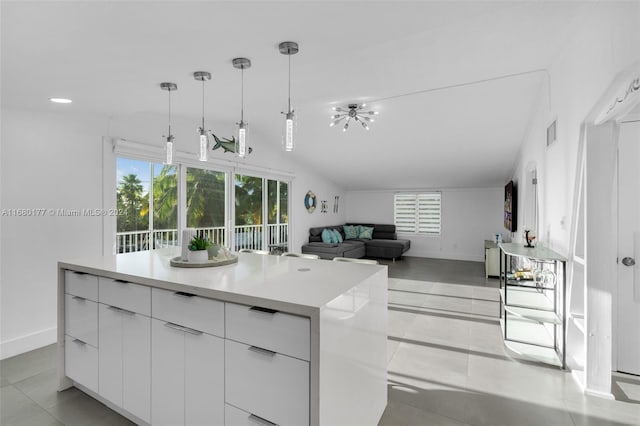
267,384
81,319
125,295
81,363
279,332
198,313
236,417
81,284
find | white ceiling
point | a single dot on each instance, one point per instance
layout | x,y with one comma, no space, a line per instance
455,82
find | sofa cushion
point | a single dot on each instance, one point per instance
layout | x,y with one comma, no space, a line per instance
350,232
337,236
327,236
365,233
383,232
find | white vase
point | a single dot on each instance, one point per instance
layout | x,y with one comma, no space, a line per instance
198,256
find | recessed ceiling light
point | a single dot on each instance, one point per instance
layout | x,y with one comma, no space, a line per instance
60,100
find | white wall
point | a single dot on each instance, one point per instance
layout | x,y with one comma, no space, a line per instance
55,161
603,44
469,216
49,161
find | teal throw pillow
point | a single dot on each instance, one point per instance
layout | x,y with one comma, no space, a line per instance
327,237
365,233
350,232
338,236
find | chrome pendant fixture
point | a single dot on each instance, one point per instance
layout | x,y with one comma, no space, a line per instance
353,112
169,137
204,139
241,144
288,48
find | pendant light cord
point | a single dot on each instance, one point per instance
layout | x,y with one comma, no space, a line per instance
242,95
203,132
289,82
169,135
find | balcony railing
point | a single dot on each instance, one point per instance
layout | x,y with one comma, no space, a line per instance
246,237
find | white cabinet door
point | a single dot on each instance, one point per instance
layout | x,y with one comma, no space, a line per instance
204,380
136,368
167,375
124,371
110,350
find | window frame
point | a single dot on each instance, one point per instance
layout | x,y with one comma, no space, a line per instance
419,210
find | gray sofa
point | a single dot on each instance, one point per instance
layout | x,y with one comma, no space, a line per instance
384,245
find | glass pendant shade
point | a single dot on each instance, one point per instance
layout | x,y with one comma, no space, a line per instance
204,146
168,152
242,140
289,131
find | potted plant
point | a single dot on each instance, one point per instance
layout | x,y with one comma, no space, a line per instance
198,250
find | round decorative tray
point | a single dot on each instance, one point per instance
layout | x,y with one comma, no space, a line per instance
179,263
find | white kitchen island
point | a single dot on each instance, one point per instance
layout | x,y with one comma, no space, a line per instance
269,340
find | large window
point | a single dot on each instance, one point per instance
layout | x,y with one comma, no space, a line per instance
418,213
157,200
261,213
145,222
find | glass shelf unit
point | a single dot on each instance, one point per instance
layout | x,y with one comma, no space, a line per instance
532,308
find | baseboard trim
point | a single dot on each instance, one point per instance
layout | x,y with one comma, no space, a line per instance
598,394
27,343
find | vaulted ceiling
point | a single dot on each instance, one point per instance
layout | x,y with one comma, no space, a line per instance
455,82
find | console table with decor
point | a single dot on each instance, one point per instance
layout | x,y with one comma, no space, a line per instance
532,302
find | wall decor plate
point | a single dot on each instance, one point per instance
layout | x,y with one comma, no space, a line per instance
310,201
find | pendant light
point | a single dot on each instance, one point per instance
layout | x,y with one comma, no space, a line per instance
169,142
241,144
288,48
204,140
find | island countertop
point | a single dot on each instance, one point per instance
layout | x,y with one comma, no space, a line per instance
291,284
321,340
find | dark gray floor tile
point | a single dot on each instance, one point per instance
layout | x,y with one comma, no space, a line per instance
80,410
17,409
43,389
29,364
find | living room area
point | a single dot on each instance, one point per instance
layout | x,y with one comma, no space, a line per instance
410,117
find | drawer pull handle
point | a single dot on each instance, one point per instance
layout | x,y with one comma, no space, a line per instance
79,273
183,294
121,281
261,309
181,328
261,421
120,310
79,342
261,350
78,298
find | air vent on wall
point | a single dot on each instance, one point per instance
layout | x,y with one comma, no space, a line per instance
552,132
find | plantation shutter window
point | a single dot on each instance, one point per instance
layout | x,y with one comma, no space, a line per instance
418,213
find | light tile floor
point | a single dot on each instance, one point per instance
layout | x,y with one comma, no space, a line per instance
447,366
